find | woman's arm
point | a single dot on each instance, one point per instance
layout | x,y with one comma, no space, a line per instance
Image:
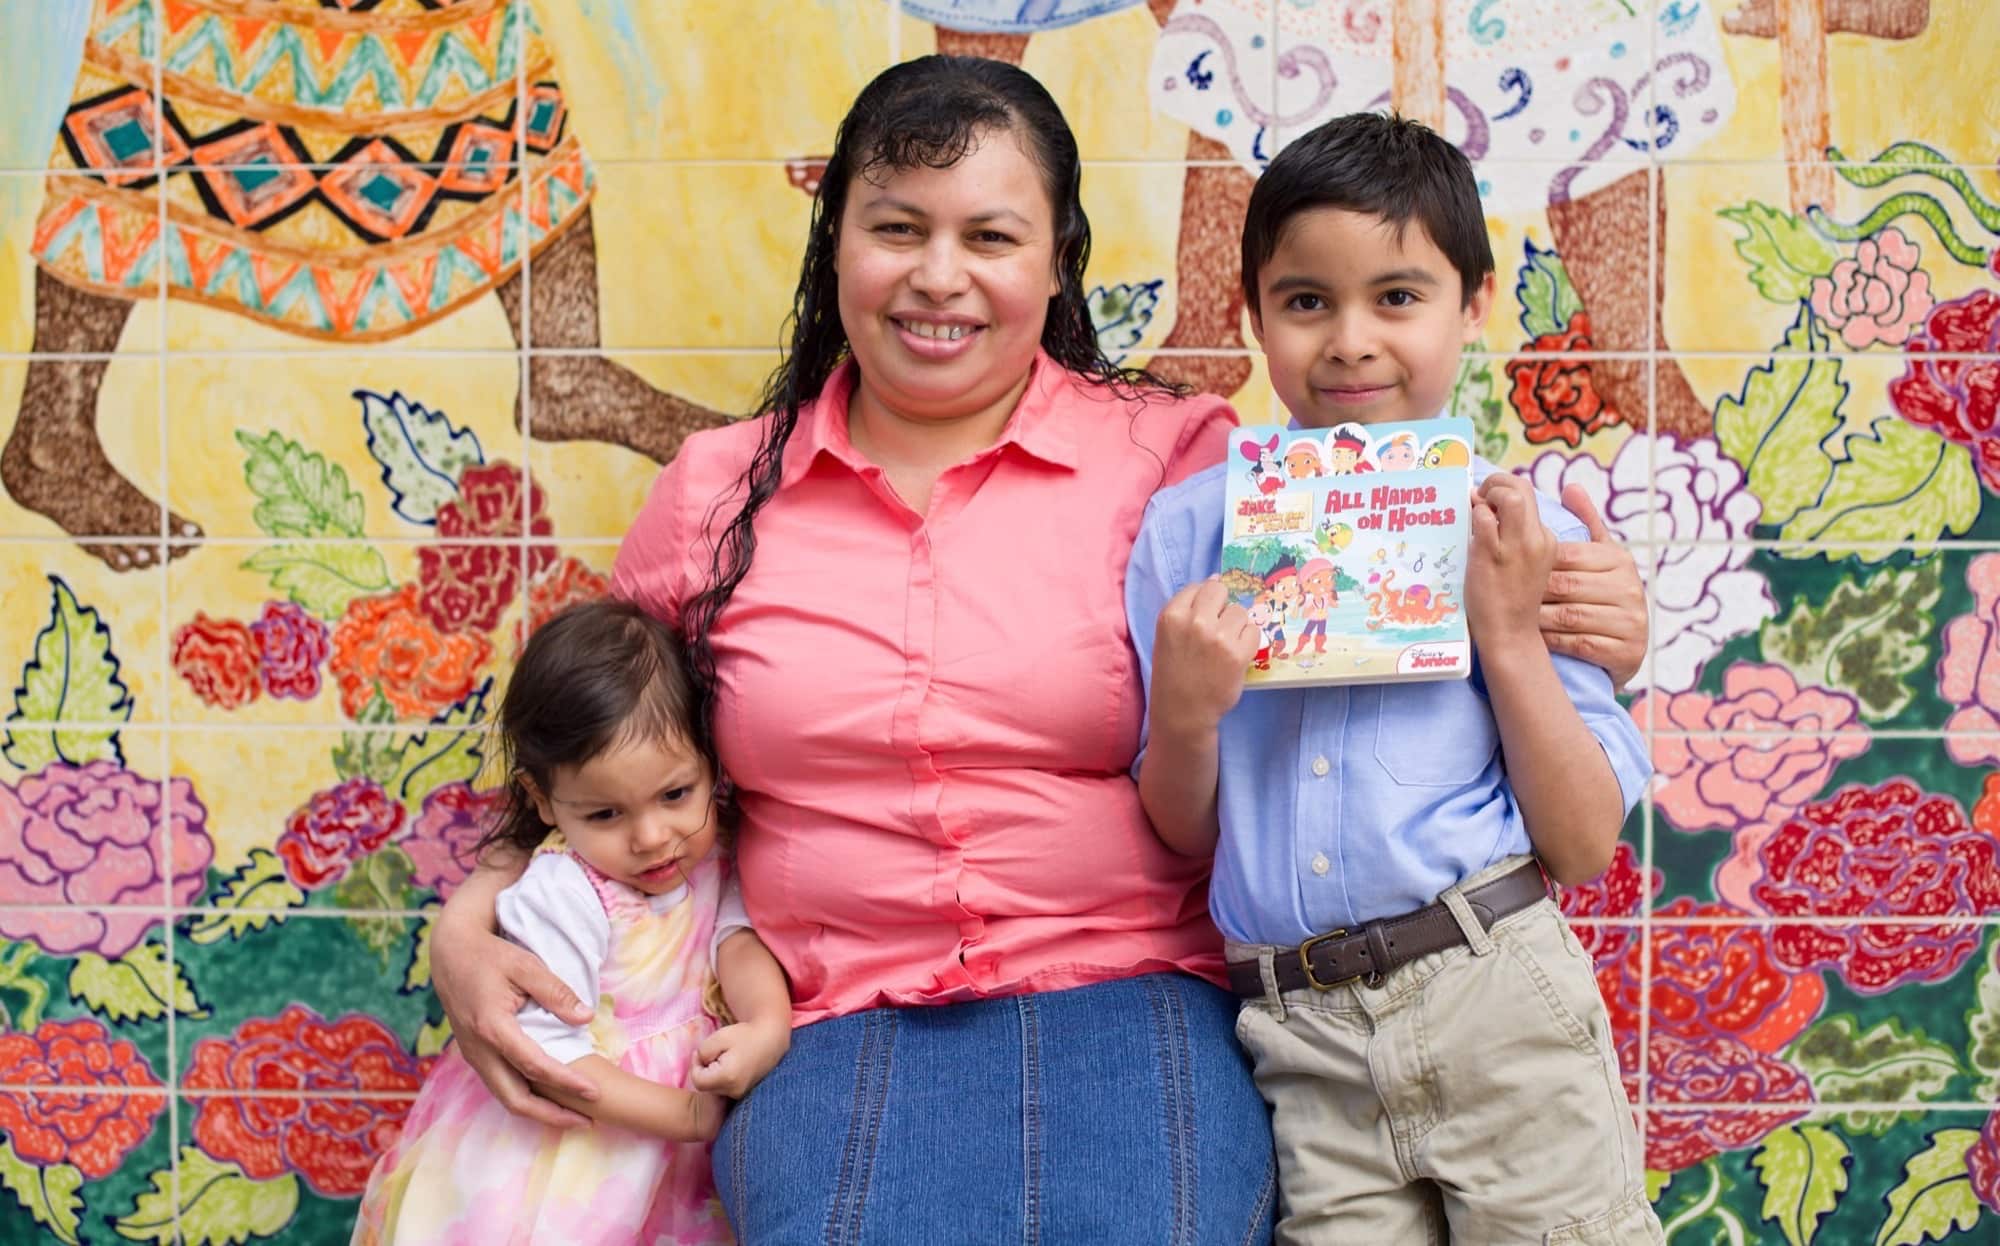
483,980
736,1057
632,1102
1595,606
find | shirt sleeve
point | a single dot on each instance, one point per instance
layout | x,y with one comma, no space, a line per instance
1204,439
554,912
1155,573
648,571
730,917
1589,687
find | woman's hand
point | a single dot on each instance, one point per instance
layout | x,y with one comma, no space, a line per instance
483,980
1595,606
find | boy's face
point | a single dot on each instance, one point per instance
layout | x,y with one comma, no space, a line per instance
1357,325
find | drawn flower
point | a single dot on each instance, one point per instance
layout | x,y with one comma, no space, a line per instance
1690,503
290,646
467,587
566,584
319,1130
1969,671
442,844
1982,1162
1959,399
1714,1069
83,840
1890,850
1712,978
386,643
1553,393
1876,295
1780,744
218,658
65,1124
325,835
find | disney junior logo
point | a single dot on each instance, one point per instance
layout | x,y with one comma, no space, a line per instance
1438,658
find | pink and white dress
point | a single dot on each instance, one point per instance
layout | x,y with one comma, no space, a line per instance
467,1170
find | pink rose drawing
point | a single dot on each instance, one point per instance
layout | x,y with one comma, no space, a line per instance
89,836
1755,753
291,644
1969,671
1876,295
442,845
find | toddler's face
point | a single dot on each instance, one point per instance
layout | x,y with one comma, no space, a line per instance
642,812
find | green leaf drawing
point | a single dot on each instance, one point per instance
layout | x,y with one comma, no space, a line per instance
1657,1183
1548,300
380,880
1804,1172
220,1206
322,578
376,755
16,980
419,975
49,1194
1120,314
421,452
1883,1065
72,677
432,1038
299,493
257,895
1895,484
1778,427
139,985
451,750
1936,1195
1864,639
1983,1024
1784,252
1473,398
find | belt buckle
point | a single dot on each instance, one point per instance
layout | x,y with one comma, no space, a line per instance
1305,961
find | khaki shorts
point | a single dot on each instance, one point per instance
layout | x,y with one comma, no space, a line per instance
1471,1098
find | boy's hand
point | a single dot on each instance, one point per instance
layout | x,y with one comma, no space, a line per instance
736,1057
1202,648
1512,554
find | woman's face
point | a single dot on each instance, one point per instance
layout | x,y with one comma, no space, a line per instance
945,281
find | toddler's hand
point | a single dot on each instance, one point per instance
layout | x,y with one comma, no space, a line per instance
1509,563
1202,648
736,1057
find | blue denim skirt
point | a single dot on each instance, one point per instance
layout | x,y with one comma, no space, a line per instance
1116,1113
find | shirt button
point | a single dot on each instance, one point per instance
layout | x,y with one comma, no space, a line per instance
1320,767
1320,864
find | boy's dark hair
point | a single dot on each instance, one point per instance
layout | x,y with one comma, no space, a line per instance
596,675
1383,166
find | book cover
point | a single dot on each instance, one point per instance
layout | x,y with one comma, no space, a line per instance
1347,547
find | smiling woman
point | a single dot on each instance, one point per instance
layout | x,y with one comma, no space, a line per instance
902,588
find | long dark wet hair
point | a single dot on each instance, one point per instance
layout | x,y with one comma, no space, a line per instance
927,113
595,676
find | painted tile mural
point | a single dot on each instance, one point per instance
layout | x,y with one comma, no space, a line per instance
339,340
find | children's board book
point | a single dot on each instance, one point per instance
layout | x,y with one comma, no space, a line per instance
1347,546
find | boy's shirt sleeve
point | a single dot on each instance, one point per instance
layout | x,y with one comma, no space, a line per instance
1159,568
1589,687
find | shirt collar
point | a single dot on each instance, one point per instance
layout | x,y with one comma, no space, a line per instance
1043,425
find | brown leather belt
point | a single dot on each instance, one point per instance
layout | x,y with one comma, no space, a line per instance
1378,948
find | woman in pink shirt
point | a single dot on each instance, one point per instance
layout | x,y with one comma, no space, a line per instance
1007,1023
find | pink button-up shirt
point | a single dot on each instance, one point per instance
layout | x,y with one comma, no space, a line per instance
930,718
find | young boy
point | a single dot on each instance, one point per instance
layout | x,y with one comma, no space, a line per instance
1427,1030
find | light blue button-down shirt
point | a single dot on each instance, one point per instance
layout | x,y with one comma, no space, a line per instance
1340,805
